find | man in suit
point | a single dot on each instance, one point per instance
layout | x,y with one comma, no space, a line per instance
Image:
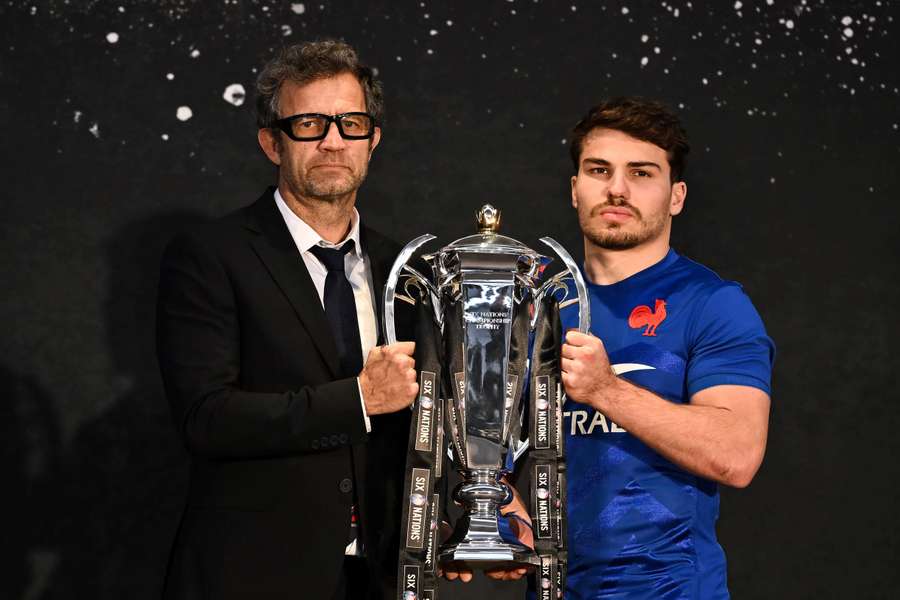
264,319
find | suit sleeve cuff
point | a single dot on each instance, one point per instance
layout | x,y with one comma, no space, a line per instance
362,403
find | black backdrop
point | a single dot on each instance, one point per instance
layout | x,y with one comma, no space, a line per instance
793,190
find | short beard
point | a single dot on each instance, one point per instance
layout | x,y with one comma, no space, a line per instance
612,237
326,189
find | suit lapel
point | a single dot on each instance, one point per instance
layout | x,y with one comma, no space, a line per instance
276,249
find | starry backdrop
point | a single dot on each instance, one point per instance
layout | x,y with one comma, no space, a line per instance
124,122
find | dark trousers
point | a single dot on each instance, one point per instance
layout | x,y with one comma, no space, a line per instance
353,583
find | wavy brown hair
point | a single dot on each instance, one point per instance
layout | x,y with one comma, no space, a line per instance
308,61
647,120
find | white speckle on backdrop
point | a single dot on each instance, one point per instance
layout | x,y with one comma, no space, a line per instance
756,38
95,130
184,113
165,137
235,94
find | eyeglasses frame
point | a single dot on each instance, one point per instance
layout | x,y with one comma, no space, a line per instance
285,126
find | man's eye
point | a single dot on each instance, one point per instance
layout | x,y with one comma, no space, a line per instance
351,124
641,173
598,170
309,124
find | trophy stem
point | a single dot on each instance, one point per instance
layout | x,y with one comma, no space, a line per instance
476,541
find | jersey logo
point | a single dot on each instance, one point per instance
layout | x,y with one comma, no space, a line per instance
642,316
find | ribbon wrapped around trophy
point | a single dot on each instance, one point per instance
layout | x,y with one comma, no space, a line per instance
487,336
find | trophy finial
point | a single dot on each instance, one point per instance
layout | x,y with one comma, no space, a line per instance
488,219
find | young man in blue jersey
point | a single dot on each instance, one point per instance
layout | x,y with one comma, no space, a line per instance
669,396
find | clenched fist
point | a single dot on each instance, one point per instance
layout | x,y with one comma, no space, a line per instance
388,380
586,372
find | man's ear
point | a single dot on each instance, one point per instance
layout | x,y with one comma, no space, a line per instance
679,193
573,181
376,138
270,144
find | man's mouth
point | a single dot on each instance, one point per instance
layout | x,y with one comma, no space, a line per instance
616,214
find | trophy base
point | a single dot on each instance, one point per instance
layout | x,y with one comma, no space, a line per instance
475,556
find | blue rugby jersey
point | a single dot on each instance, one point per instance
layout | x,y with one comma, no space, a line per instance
640,527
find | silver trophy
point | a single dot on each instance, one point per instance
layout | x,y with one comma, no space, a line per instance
478,282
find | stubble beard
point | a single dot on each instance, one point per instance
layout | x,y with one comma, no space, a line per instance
326,186
613,236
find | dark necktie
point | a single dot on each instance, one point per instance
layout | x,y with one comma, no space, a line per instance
340,308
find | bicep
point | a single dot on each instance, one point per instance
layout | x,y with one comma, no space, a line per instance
747,406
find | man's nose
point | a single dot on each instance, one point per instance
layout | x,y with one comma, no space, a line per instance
333,140
618,187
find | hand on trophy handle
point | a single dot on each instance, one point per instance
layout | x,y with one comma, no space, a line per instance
388,379
586,372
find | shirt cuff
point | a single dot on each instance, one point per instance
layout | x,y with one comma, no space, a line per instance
362,403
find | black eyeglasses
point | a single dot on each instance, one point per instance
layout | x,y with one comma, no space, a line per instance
308,127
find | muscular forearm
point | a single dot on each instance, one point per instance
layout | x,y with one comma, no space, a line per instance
714,442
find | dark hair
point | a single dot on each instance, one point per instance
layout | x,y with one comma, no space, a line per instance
646,120
308,61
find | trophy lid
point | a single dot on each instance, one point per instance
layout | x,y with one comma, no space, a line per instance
487,240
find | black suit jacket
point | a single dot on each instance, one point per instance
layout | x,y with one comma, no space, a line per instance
277,440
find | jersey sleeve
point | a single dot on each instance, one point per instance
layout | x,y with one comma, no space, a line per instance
729,344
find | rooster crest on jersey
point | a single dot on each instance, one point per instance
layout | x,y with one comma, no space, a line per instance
642,316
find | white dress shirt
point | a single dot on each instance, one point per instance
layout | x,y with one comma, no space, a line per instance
357,268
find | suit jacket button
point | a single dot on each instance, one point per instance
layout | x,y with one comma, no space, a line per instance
346,485
344,438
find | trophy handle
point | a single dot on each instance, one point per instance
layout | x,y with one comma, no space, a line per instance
584,306
390,288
